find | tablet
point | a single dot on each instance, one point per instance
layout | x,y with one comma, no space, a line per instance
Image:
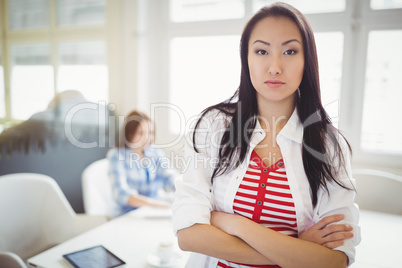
94,257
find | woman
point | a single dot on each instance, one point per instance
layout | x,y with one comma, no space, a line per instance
275,187
139,171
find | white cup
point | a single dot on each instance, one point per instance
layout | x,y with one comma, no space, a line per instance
165,251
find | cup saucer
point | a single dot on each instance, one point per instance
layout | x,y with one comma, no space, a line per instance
155,261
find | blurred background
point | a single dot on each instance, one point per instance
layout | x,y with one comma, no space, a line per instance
173,58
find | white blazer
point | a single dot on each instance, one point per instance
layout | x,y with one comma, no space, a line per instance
196,196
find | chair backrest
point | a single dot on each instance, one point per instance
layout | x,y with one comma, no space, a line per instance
97,190
11,260
378,190
35,214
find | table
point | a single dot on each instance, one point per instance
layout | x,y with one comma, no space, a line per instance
381,241
135,235
131,237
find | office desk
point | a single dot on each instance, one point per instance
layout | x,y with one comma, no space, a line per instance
135,235
381,245
131,237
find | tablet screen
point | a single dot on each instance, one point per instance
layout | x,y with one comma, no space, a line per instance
94,257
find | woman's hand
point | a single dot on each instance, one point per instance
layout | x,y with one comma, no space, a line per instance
328,234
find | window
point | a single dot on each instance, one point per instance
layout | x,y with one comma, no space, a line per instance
82,66
386,4
52,46
202,10
214,78
381,126
307,6
25,14
2,96
31,79
330,58
80,12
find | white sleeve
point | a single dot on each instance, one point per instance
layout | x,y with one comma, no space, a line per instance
193,197
341,201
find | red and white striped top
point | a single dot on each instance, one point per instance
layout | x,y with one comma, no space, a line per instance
264,196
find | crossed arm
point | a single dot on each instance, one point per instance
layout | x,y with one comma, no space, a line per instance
238,239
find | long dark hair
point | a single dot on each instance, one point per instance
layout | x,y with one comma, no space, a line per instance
319,135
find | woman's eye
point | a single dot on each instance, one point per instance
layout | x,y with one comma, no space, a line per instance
262,52
290,52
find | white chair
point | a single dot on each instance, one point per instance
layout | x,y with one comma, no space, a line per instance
378,190
35,215
11,260
97,190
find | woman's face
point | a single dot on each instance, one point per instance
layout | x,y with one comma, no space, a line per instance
275,59
143,136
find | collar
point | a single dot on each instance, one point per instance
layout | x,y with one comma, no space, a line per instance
293,130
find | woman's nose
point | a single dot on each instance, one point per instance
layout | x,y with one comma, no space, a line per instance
275,66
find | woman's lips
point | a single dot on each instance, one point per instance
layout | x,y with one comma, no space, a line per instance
274,83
